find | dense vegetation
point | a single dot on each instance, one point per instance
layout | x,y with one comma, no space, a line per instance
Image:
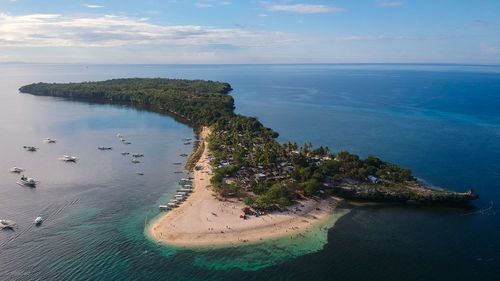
199,102
248,161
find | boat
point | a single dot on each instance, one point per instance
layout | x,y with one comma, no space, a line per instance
164,207
38,221
105,148
187,139
16,170
177,163
127,142
125,153
30,148
187,143
140,173
119,135
7,224
137,155
135,161
67,158
27,181
183,155
49,140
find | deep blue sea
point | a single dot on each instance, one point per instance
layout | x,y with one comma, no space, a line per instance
442,121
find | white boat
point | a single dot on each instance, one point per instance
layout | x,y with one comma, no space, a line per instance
137,155
27,181
119,135
164,207
105,148
16,170
135,161
49,140
125,153
7,224
67,158
30,148
38,221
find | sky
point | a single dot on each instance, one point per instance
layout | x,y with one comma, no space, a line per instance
230,31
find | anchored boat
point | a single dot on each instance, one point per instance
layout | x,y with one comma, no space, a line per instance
16,170
27,181
67,158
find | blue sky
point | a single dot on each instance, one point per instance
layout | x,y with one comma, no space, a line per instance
229,31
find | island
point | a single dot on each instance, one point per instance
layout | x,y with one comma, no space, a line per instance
247,186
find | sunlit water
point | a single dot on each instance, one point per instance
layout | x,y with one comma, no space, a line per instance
441,121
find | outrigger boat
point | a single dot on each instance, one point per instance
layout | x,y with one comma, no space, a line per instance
137,155
105,148
49,140
67,158
16,170
27,181
125,153
135,161
30,148
7,224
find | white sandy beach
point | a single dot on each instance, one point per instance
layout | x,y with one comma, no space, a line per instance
203,220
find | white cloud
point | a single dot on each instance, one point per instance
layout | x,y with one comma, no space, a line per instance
304,8
52,30
489,49
93,6
372,38
389,4
203,5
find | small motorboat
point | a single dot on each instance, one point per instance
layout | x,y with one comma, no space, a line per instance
7,224
27,181
184,155
127,142
67,158
38,221
135,161
137,155
125,153
30,148
140,173
105,148
187,143
49,140
16,170
187,139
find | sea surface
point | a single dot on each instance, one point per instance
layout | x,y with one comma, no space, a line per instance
442,121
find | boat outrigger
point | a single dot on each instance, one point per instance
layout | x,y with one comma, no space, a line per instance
30,148
16,170
27,181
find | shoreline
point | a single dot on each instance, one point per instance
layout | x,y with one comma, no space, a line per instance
205,221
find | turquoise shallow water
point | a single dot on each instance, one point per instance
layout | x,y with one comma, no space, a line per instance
441,121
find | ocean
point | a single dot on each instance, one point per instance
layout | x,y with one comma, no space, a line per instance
442,121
